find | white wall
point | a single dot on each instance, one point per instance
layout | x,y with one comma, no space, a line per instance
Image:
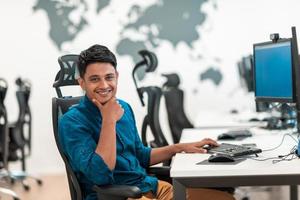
228,34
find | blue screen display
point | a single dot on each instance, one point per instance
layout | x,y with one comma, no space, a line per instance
273,71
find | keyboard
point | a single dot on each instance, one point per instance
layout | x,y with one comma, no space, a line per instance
234,135
233,150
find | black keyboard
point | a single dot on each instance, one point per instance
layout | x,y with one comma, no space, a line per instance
233,150
235,134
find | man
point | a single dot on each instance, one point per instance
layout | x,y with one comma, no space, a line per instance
100,138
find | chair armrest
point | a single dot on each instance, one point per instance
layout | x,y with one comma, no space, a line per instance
159,171
111,192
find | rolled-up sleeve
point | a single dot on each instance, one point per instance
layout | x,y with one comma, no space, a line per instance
79,146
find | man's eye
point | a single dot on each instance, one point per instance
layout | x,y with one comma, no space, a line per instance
109,78
95,79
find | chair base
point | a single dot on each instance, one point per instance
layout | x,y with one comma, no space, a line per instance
22,176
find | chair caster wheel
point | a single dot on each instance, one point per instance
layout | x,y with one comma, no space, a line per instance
26,187
39,182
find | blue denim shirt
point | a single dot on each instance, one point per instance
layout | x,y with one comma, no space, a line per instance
79,131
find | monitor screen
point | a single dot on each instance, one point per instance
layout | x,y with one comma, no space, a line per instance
273,71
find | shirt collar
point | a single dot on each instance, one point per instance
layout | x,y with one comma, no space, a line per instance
90,105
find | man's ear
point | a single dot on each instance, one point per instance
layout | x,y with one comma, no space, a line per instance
81,83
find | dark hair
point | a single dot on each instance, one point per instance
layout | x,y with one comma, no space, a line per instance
95,53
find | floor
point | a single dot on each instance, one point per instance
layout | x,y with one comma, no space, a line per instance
55,187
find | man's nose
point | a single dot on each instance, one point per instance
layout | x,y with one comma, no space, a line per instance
103,84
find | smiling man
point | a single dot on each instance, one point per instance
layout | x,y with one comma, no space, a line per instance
101,141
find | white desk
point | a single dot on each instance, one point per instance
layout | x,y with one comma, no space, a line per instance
228,120
186,173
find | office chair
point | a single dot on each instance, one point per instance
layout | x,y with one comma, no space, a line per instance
149,60
152,117
154,95
20,134
67,77
4,140
174,98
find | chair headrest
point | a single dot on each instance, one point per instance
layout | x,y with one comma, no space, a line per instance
172,80
150,61
67,74
23,84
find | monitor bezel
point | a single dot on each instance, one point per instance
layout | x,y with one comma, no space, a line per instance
273,99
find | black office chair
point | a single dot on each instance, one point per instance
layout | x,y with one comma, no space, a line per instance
152,117
174,98
24,119
154,94
67,77
20,134
4,141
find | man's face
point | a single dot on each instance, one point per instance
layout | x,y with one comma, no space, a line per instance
100,81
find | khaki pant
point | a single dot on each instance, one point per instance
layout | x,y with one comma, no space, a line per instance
165,192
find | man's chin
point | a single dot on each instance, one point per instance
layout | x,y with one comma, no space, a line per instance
104,101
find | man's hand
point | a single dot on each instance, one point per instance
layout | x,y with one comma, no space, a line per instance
161,154
197,147
111,111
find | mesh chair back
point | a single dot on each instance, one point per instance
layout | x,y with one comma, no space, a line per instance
3,125
174,98
59,107
152,117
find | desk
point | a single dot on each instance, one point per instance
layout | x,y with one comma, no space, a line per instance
228,120
186,173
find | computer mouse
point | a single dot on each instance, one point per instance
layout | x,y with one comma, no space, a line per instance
253,120
225,136
234,111
220,158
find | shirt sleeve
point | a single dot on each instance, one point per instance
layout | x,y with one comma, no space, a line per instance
142,153
80,147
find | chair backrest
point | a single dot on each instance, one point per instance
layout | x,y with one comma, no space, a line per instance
152,117
67,76
3,125
59,107
174,98
22,133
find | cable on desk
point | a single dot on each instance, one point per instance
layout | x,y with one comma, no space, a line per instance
264,159
288,157
287,134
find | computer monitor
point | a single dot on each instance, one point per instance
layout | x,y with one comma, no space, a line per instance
245,69
274,71
277,72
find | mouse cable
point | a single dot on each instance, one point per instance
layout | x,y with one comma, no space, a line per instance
283,137
275,159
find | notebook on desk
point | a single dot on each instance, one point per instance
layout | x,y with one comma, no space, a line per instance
233,150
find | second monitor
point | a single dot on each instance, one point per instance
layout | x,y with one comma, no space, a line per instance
273,71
